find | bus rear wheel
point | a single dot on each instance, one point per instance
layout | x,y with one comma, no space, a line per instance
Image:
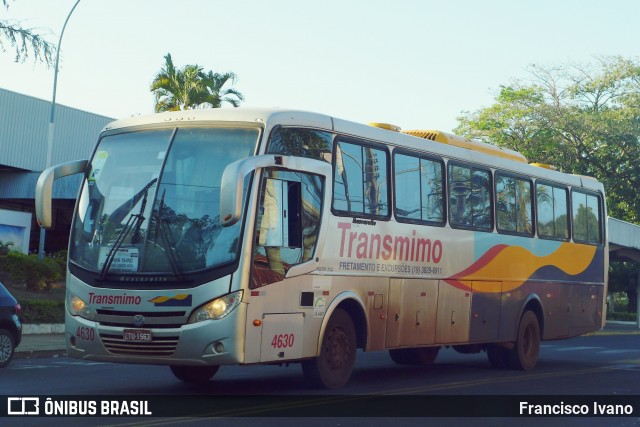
524,354
414,356
194,374
332,368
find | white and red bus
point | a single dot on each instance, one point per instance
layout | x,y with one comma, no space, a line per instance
241,236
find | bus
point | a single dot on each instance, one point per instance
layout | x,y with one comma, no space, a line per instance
241,236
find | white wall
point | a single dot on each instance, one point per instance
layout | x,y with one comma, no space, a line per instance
15,227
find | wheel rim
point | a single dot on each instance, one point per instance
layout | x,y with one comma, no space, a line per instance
5,348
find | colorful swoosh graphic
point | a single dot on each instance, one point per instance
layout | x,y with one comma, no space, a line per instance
514,265
180,300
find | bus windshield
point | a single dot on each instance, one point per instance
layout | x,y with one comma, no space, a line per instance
150,202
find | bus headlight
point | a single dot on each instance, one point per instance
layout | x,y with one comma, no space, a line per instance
78,307
217,308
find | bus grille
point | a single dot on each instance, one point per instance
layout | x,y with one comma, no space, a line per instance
161,319
160,346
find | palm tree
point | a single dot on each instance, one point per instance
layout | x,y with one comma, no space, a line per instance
177,89
214,83
190,87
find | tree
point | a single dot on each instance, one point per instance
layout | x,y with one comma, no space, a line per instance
581,119
25,41
214,84
190,87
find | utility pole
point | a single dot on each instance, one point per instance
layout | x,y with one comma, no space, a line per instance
52,120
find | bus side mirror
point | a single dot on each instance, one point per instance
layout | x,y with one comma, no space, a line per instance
232,185
44,188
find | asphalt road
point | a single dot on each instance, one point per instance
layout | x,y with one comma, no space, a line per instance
594,367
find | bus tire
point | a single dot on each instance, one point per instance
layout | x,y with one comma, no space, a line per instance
332,368
414,356
524,354
7,347
194,374
498,357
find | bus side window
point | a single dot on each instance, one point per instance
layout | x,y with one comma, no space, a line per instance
470,197
427,204
586,217
288,222
513,205
360,181
552,209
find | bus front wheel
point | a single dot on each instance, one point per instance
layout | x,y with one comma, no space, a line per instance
194,374
333,366
524,354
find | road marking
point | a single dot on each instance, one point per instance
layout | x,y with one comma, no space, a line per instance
618,351
631,332
623,367
577,349
81,363
54,365
24,367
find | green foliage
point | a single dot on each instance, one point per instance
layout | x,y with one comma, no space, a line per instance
42,311
624,317
25,41
37,275
5,247
622,277
190,87
582,119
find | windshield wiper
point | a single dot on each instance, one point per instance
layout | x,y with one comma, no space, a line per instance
168,247
133,223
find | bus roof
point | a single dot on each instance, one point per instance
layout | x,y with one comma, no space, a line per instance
435,142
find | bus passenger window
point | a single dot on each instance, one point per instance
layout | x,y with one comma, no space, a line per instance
314,144
288,223
552,209
360,181
427,204
513,205
586,217
470,197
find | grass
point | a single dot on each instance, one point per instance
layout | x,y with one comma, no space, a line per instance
20,292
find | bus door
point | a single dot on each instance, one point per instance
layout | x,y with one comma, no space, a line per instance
411,318
283,296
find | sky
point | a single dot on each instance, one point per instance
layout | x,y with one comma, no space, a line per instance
418,64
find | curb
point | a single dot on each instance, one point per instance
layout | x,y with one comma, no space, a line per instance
43,328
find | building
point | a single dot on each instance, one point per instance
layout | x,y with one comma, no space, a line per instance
24,126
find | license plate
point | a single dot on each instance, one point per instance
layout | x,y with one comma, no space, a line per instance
137,335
